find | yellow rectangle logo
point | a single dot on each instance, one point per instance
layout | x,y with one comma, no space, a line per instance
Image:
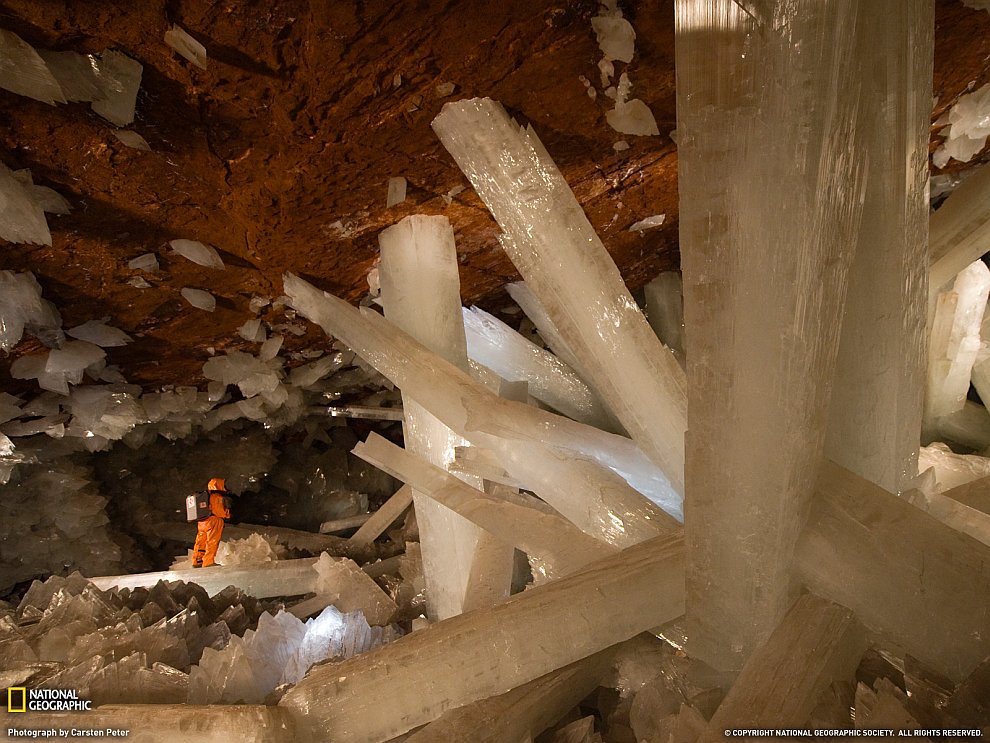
16,699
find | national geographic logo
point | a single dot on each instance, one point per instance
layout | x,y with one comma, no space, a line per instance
21,699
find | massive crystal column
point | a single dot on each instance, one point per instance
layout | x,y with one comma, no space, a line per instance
771,186
490,651
875,412
816,644
554,247
922,586
464,566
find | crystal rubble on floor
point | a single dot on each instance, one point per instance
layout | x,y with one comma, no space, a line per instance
526,710
665,311
560,546
186,46
494,344
464,566
476,413
954,344
553,245
762,343
535,632
281,650
878,388
959,231
23,309
921,586
197,252
817,643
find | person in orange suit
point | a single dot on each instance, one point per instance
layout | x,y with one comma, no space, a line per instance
210,529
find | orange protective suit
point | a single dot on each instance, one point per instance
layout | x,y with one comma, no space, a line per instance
209,531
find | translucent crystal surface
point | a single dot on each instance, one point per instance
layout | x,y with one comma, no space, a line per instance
22,308
22,219
120,78
554,247
197,252
558,544
384,517
77,74
527,710
874,415
421,293
665,310
954,343
186,46
352,590
763,322
494,344
132,139
99,333
199,298
816,644
144,262
959,230
529,635
23,72
557,457
396,191
922,586
969,127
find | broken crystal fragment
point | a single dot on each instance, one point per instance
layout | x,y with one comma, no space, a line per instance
145,262
385,516
24,72
969,127
77,74
197,252
648,223
445,89
270,348
396,191
186,46
132,139
253,330
22,308
616,37
138,283
350,589
99,333
198,298
22,218
120,78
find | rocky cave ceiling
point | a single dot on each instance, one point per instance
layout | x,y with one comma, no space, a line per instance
278,154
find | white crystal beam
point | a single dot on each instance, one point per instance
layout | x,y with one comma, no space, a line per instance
494,344
491,651
959,231
548,537
420,291
525,711
922,586
766,230
975,494
817,643
875,411
384,517
475,412
553,245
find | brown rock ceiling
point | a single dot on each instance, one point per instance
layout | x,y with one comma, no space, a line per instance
296,125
